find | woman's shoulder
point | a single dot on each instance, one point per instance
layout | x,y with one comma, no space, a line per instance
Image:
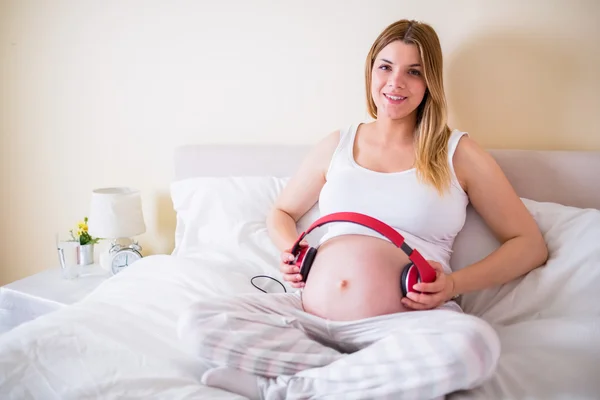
455,137
328,144
320,154
466,148
470,158
331,144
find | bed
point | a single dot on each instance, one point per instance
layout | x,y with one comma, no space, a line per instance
120,342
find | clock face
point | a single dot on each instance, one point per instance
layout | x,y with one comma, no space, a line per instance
123,259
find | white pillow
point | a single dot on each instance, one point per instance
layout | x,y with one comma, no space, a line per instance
224,219
566,286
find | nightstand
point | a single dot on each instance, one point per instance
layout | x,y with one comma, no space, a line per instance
44,292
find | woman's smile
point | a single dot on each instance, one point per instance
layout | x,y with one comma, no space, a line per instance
394,99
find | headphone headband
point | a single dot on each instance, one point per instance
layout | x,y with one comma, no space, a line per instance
425,270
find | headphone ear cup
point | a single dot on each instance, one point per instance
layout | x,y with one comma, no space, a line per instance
409,277
307,262
301,254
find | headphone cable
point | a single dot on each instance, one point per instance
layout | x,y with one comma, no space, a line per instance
265,276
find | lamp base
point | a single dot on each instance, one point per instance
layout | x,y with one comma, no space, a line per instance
104,260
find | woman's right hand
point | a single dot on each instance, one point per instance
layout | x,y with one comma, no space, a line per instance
291,272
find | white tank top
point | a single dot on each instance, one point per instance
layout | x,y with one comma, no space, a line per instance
428,222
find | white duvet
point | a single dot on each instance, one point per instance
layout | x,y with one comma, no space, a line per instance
121,343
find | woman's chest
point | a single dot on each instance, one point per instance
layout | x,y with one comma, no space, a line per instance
399,200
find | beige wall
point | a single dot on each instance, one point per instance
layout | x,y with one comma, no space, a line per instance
86,83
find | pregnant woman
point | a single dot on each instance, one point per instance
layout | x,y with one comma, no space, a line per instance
348,332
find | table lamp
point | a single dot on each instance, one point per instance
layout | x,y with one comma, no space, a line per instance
116,214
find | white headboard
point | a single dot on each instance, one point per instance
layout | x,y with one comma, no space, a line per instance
565,177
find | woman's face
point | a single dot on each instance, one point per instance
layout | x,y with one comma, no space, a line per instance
397,84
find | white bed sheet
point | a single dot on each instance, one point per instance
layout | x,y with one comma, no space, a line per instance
120,342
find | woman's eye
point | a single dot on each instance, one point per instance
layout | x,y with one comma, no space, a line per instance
414,72
384,67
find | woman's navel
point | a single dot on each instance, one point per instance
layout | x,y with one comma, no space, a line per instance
343,284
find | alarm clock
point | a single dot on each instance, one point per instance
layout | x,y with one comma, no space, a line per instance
123,256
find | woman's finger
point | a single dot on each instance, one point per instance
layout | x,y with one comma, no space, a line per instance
436,265
292,277
425,299
432,287
287,257
412,304
289,269
418,297
429,301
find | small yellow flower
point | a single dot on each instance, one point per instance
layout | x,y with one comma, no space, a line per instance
81,233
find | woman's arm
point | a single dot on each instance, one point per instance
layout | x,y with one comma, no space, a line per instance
523,247
301,193
492,196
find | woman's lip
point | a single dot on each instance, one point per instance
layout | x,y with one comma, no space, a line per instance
392,101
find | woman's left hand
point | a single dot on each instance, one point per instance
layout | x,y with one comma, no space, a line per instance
433,294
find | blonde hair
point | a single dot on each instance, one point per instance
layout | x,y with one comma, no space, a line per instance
432,132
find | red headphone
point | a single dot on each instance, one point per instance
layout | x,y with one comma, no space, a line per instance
418,270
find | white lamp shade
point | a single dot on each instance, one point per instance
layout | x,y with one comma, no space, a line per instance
116,213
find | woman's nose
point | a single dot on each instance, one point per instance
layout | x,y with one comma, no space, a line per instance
397,81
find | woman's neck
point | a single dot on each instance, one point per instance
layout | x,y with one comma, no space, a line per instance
400,131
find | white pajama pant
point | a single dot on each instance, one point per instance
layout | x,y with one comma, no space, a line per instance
410,355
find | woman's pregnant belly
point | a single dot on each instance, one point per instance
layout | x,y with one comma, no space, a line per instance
354,277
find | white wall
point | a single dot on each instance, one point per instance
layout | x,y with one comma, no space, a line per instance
98,93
